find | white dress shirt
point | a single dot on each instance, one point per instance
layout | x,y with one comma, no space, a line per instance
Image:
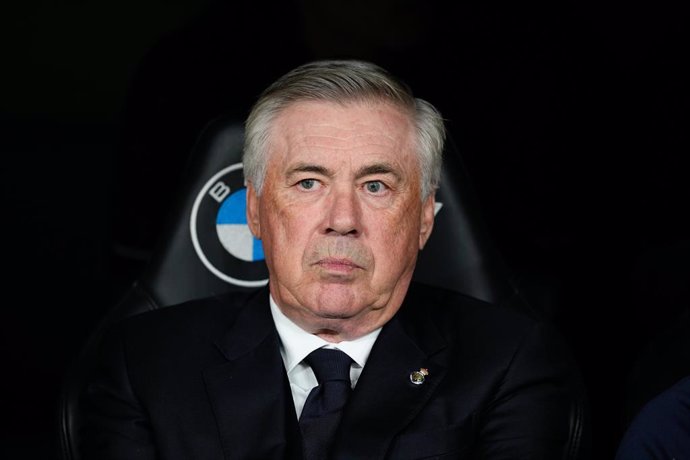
296,344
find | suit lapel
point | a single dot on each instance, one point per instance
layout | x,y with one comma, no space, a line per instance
256,417
385,401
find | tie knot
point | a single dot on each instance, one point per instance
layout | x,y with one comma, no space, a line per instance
329,364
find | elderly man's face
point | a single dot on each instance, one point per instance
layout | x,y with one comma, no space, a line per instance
340,215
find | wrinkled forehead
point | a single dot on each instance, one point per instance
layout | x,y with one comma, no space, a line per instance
368,128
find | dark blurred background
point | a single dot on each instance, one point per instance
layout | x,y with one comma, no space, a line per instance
571,119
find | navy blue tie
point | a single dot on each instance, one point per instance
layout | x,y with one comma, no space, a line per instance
323,408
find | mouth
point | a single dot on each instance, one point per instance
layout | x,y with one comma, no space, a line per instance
337,265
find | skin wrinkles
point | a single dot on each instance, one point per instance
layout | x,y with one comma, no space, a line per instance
340,255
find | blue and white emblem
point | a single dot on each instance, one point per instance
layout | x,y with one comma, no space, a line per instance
219,231
233,232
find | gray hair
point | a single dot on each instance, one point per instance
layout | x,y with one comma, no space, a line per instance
342,81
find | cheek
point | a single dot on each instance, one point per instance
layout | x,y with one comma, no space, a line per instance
396,235
285,235
407,226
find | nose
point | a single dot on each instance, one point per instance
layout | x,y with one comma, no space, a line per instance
344,213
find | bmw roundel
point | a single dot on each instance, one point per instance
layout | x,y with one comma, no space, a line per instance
220,234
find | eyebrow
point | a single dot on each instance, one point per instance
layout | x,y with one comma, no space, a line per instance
376,168
307,167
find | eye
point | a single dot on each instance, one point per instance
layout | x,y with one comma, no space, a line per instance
374,186
307,184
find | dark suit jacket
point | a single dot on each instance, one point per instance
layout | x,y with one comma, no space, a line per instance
661,430
205,380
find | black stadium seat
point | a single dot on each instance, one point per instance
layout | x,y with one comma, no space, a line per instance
207,250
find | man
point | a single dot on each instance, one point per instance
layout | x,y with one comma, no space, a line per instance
341,165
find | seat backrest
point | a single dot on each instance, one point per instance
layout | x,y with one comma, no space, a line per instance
203,250
207,250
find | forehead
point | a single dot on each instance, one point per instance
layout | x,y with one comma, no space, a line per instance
373,128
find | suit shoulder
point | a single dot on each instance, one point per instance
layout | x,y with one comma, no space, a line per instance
459,314
206,314
479,331
445,301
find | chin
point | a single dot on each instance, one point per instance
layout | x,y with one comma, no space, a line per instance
339,301
334,315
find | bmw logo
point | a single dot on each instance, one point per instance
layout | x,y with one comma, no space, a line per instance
220,234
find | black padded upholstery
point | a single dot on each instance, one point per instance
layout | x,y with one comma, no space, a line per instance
191,260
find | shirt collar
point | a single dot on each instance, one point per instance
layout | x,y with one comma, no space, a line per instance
298,343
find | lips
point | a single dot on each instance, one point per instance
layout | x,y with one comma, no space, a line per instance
341,254
337,264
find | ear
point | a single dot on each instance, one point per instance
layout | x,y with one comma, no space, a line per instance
253,215
427,220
